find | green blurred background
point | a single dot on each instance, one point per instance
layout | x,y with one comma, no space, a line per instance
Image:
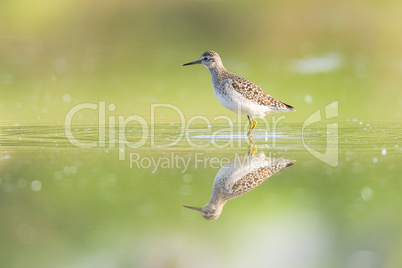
62,206
54,55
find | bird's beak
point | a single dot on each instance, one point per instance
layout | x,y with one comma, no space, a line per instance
193,62
194,208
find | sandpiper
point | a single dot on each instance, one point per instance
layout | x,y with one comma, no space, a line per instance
238,177
239,94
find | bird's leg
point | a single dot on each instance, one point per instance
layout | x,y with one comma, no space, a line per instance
253,124
252,149
250,125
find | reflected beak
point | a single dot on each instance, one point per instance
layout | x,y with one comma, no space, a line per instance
193,62
194,208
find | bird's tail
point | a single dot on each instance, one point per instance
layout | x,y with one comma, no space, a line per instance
290,108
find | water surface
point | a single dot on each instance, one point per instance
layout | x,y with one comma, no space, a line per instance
64,206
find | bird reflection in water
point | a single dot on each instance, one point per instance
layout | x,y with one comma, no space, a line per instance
239,176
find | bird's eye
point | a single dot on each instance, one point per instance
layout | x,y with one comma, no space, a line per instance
205,58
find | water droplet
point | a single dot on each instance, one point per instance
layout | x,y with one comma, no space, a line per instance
66,97
111,178
187,178
66,170
112,107
36,185
308,98
375,159
58,175
367,193
384,151
73,169
185,189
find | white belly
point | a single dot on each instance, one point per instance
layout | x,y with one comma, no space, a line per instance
235,102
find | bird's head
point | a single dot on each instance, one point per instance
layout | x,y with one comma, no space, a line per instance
209,212
209,59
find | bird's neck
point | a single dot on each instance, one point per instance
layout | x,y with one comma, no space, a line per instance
217,73
217,198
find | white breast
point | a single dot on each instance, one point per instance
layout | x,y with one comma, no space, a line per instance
237,103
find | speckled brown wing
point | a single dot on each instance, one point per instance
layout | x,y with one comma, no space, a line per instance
255,178
254,93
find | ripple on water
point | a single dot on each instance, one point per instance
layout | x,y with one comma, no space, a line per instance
351,134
